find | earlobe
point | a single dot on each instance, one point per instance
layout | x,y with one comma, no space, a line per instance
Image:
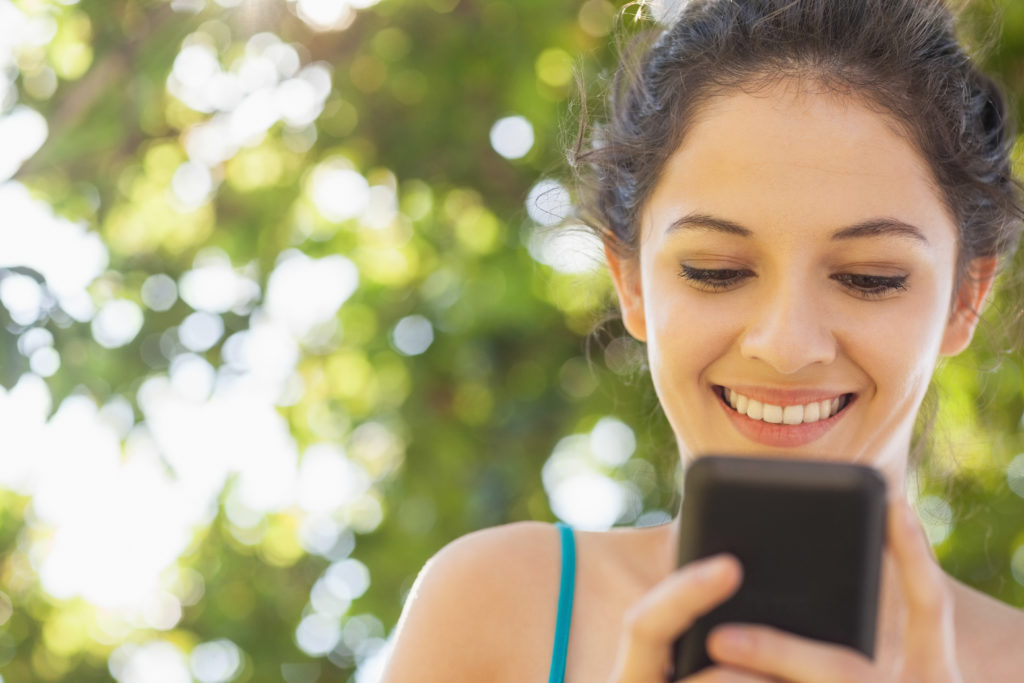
963,319
626,278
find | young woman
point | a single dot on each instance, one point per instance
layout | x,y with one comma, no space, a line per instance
804,204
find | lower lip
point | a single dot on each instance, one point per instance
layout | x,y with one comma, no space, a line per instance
780,435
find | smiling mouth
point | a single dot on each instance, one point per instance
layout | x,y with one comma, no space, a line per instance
806,413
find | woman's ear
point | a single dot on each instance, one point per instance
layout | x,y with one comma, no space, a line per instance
626,277
971,294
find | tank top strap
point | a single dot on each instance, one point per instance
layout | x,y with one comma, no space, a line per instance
566,589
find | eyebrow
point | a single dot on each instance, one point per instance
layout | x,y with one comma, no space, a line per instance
869,228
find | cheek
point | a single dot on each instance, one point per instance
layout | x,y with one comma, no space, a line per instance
901,348
687,332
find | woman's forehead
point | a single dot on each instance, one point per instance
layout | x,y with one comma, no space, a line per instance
781,152
783,124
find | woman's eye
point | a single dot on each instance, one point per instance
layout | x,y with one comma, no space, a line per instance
713,279
872,286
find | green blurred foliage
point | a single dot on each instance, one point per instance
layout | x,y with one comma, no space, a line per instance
417,85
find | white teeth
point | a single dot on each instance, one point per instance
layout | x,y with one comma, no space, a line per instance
790,415
754,409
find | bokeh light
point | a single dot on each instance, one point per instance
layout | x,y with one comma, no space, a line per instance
339,192
256,281
1017,564
329,480
215,286
572,249
548,202
22,132
303,293
612,441
512,137
157,661
201,330
159,292
192,185
1015,475
23,298
117,323
936,517
215,661
412,335
67,254
554,67
45,361
317,634
579,481
326,15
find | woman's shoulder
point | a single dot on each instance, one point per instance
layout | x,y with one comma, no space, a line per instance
482,606
502,558
991,632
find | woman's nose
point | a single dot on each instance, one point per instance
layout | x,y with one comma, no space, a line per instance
790,330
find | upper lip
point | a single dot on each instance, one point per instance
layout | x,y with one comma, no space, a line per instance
785,397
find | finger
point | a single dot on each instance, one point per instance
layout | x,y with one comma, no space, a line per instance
929,641
721,674
654,623
771,652
892,616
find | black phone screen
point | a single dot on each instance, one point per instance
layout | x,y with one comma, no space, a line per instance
809,535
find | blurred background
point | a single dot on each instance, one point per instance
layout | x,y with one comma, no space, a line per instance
288,302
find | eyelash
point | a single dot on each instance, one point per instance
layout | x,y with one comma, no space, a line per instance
872,286
866,286
713,279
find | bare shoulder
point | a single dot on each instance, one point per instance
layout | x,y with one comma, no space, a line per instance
483,606
991,650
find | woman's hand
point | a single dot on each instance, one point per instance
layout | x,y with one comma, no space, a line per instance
657,620
922,650
927,654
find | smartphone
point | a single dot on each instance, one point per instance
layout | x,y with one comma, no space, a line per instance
809,535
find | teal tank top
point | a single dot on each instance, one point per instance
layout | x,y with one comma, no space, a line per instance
566,588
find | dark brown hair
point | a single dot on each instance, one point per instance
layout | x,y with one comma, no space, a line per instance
902,57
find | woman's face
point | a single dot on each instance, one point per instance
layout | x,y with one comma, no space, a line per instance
794,281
